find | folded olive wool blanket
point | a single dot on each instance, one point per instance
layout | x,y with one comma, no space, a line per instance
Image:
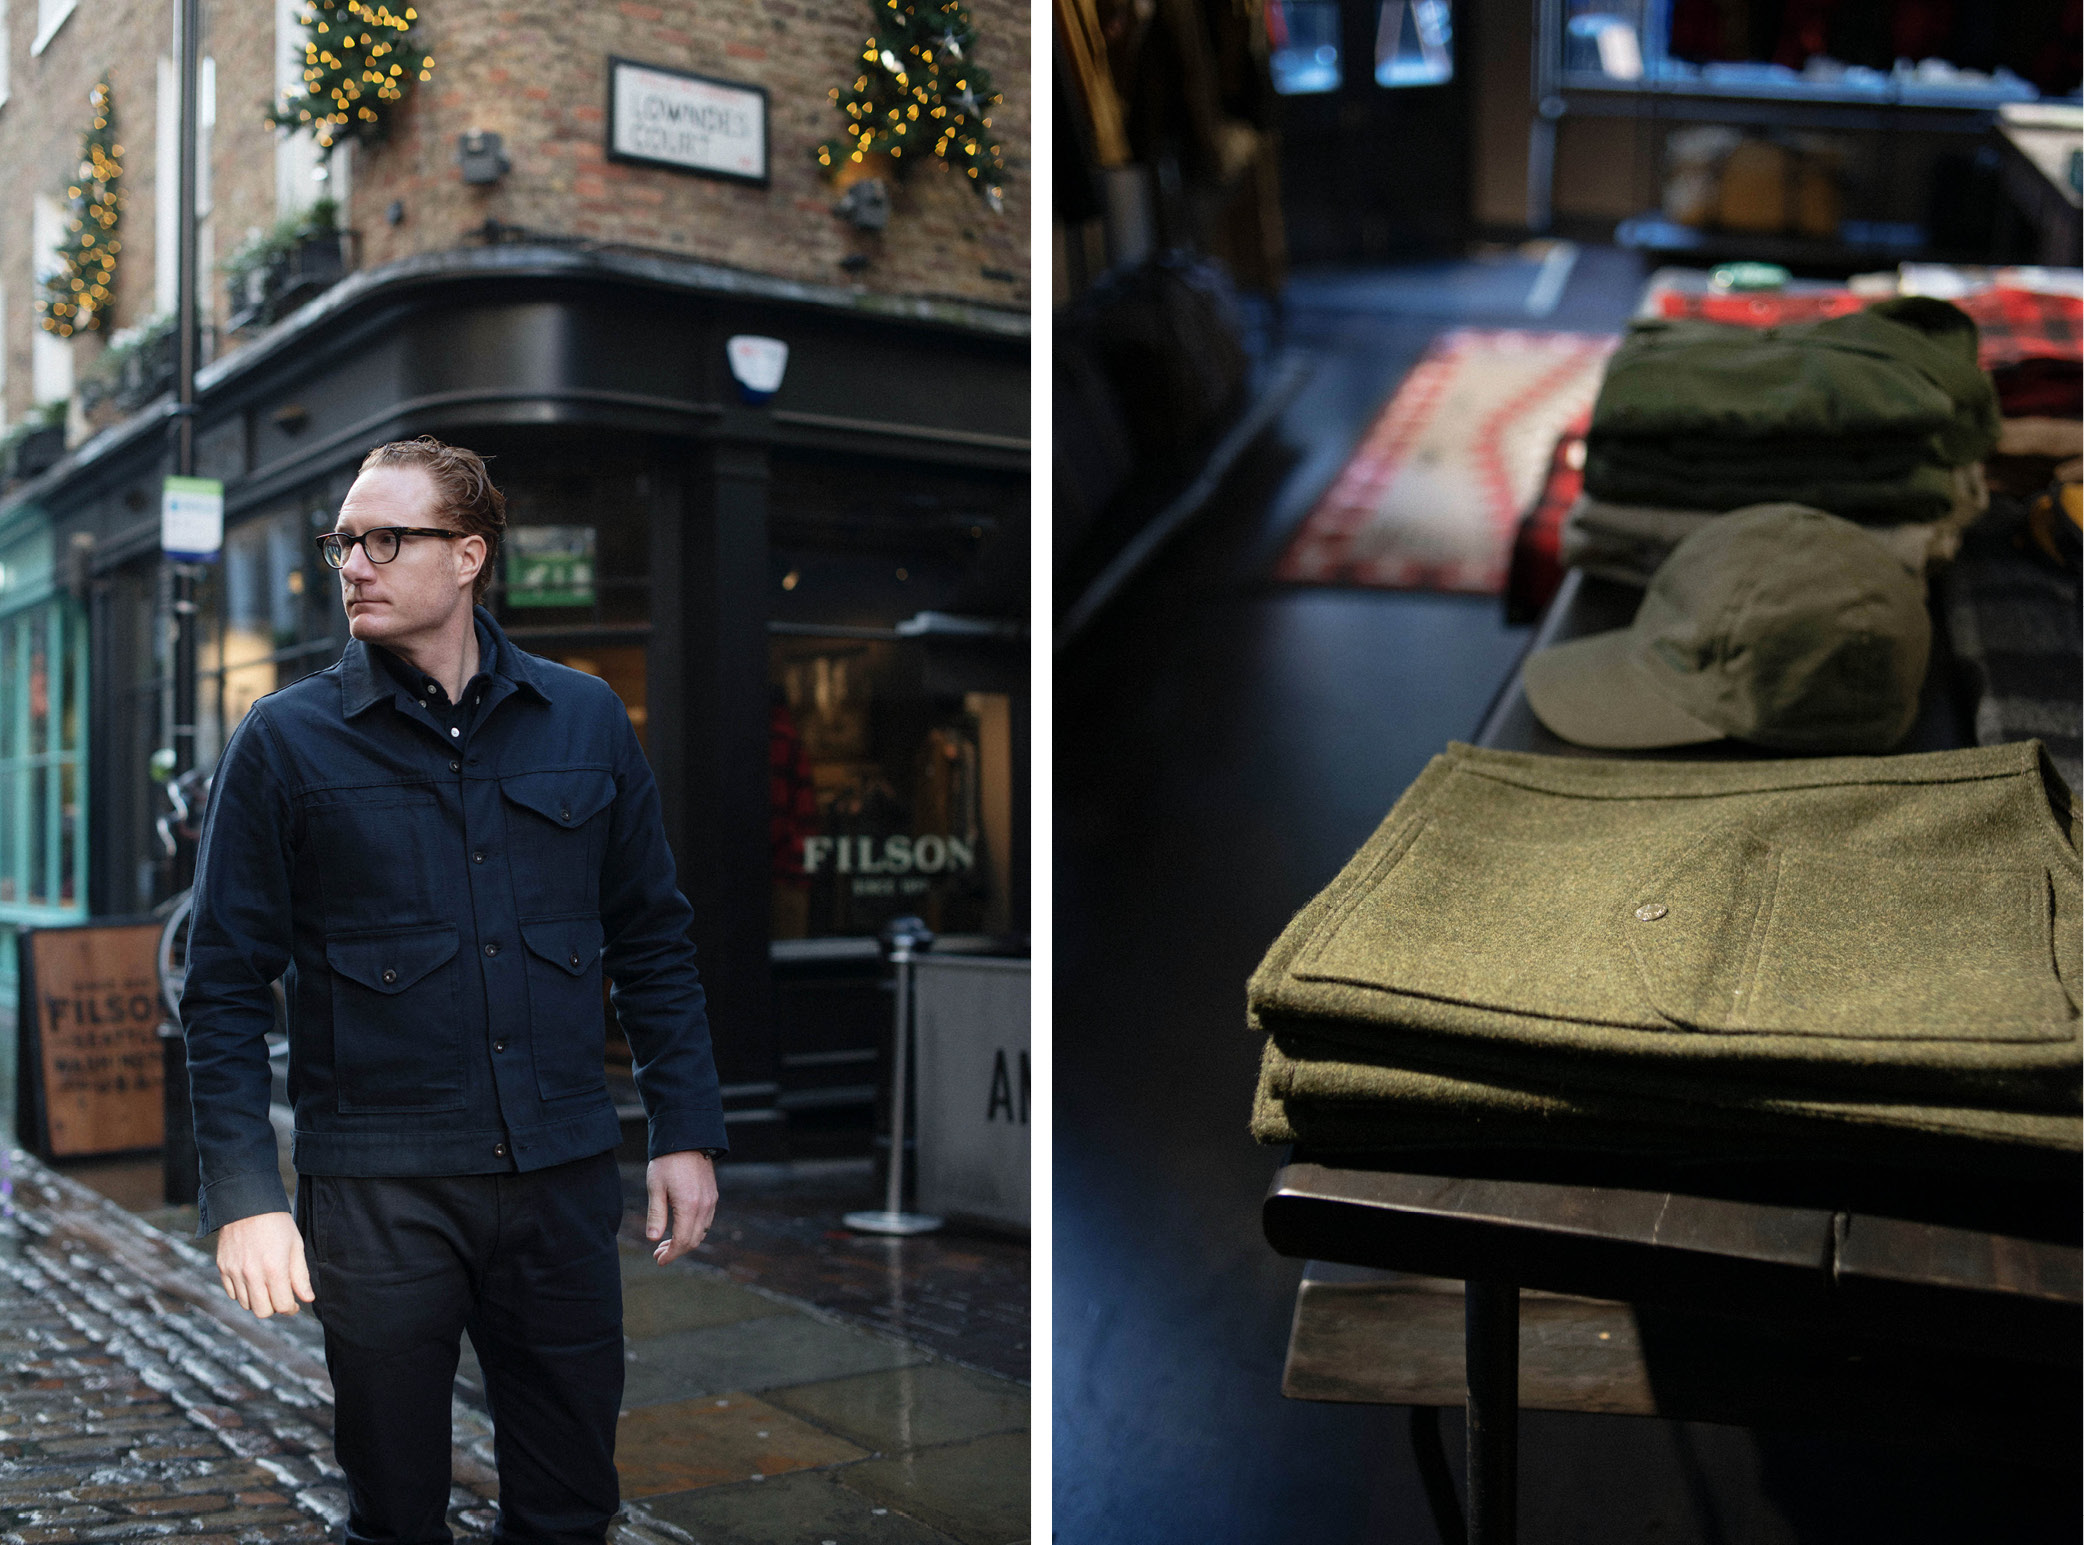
1629,542
1872,956
1864,415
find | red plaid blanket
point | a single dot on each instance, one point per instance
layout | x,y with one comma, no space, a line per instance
2014,324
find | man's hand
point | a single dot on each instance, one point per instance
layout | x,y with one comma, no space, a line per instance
260,1261
682,1189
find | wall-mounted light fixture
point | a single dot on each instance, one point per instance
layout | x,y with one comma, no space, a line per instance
757,364
480,155
866,205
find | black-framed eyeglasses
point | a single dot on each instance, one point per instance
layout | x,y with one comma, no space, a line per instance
381,543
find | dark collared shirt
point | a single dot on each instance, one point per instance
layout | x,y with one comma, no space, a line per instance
442,909
455,719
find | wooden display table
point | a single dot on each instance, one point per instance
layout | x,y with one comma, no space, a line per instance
1910,1309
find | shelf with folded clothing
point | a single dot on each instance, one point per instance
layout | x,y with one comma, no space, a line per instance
1797,85
1523,1043
1724,1278
2000,560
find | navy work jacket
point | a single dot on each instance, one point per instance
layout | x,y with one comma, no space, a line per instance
441,913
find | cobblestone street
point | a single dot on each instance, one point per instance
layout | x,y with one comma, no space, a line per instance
137,1402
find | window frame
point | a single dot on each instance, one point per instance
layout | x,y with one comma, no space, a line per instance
28,768
47,27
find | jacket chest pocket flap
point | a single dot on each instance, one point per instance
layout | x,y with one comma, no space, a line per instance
557,838
1745,935
567,798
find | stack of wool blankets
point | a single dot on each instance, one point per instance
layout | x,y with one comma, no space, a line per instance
1881,416
1867,959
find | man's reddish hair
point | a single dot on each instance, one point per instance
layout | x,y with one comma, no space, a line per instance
464,497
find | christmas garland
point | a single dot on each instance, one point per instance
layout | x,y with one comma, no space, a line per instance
921,94
356,71
78,292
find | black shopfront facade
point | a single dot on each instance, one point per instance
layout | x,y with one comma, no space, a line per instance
814,609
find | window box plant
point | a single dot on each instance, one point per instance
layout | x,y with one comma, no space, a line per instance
136,367
35,444
274,272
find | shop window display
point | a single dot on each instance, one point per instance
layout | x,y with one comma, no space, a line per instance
891,726
577,551
43,660
270,615
887,800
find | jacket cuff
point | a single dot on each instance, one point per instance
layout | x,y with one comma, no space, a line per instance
664,1137
238,1196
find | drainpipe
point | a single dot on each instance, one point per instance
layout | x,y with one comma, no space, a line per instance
179,1156
187,348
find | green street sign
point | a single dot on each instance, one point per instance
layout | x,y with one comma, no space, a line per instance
549,565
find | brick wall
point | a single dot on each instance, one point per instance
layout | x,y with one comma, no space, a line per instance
40,129
535,73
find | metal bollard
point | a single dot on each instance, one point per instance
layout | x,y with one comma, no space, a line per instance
904,938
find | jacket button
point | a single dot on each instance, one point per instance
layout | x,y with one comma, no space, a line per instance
477,856
499,1045
575,960
390,977
500,1151
455,767
492,948
1652,912
564,815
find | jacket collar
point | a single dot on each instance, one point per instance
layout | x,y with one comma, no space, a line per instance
364,682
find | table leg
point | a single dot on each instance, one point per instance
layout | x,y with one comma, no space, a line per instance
1435,1477
1492,1331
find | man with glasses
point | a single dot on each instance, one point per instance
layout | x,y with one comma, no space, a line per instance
444,843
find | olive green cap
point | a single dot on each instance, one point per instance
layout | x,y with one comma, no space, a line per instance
1776,624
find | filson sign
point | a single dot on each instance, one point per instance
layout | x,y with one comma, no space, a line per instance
694,123
890,866
889,855
91,1061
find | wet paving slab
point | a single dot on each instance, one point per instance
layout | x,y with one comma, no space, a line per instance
961,1293
750,1413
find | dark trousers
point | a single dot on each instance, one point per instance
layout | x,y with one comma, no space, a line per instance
528,1265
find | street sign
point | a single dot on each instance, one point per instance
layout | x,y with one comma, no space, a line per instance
191,518
694,123
549,565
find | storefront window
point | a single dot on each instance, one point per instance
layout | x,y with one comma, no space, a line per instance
1303,37
1414,43
897,634
577,551
573,577
269,615
43,666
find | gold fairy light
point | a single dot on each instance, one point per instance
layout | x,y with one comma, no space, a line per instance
82,281
928,76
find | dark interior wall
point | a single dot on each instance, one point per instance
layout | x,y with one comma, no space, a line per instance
1503,66
1599,161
